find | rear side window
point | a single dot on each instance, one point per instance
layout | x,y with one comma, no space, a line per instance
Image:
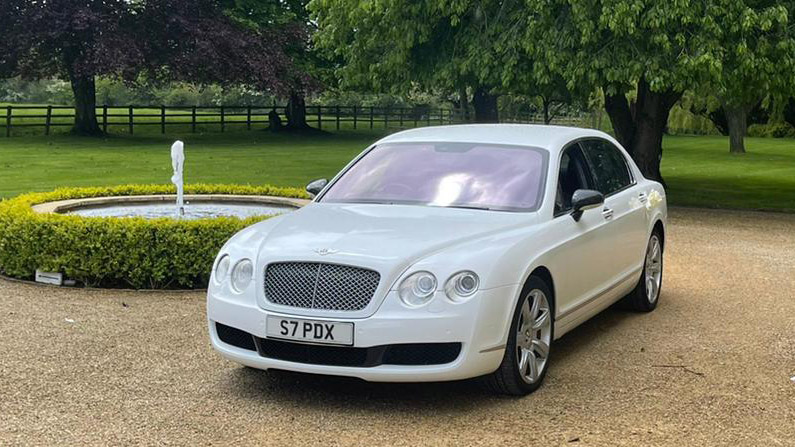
608,164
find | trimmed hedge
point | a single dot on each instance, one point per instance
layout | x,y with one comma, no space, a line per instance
119,252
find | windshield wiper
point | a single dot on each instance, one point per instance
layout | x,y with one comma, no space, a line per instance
469,207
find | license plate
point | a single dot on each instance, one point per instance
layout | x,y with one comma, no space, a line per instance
313,331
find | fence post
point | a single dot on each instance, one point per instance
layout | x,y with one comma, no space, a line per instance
48,120
8,121
248,118
371,117
162,119
223,124
355,110
386,117
105,118
428,117
441,116
416,116
130,112
337,110
320,117
193,119
400,114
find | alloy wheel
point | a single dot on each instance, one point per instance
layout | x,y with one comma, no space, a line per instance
653,268
533,336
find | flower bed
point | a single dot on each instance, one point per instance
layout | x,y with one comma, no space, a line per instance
119,252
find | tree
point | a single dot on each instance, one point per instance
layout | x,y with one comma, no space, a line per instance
289,16
76,40
436,45
643,54
758,115
79,40
757,59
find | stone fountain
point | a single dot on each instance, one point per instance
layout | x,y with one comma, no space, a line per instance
178,164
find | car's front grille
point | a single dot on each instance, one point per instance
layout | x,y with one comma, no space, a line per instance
317,285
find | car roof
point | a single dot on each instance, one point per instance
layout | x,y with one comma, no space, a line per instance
551,138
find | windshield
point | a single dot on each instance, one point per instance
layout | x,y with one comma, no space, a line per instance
464,175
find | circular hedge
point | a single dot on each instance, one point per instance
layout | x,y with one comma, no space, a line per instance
138,253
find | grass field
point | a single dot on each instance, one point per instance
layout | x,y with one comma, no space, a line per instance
699,170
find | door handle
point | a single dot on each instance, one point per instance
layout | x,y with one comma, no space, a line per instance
607,213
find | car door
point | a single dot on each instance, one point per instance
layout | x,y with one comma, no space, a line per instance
624,214
577,259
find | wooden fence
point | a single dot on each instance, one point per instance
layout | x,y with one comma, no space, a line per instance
128,119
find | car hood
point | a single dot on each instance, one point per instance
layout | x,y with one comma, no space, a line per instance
386,238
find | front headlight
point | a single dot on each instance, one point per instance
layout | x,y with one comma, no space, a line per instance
462,285
241,275
417,289
221,269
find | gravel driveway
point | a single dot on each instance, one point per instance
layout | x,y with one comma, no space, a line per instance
713,365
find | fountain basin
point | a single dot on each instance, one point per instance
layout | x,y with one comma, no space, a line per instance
197,206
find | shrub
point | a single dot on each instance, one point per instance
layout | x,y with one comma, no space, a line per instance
119,252
774,130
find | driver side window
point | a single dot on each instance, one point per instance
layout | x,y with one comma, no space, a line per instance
573,174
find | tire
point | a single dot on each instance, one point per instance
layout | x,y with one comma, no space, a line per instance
508,379
646,294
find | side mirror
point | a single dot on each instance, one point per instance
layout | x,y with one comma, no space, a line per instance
315,186
585,199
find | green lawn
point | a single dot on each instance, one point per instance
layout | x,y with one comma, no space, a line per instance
699,170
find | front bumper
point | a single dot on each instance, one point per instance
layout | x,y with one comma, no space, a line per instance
480,325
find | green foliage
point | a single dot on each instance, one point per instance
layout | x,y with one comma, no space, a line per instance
757,50
114,92
684,122
119,252
394,45
772,130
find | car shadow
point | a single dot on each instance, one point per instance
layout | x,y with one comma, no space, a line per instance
317,391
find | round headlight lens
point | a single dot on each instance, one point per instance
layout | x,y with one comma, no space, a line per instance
221,269
417,289
241,275
462,285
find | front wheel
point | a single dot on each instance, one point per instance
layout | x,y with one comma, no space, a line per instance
526,358
646,294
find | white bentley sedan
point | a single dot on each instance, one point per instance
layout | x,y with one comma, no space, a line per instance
444,253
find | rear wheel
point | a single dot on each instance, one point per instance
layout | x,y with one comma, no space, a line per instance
646,294
526,358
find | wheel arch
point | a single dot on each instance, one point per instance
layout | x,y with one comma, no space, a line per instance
545,275
659,226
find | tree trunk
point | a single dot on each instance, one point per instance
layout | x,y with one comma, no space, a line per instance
789,112
296,111
85,105
641,130
545,103
485,105
737,119
622,119
463,98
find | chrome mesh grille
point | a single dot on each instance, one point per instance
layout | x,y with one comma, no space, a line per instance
317,285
